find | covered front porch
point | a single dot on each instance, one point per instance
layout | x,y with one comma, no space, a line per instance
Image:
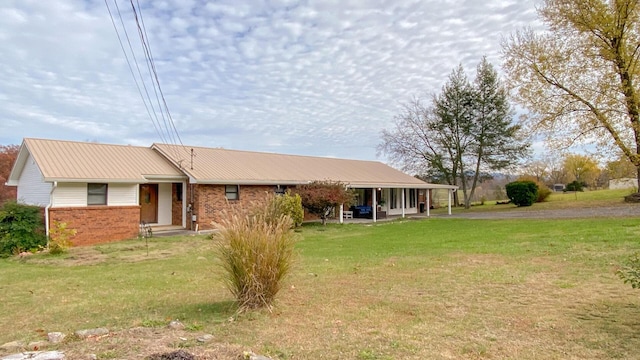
396,200
162,204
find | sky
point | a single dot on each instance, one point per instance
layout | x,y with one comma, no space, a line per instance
319,78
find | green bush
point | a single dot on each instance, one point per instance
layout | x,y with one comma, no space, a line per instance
522,193
21,228
286,204
575,186
543,190
630,273
256,254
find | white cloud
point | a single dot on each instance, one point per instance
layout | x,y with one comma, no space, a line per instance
320,78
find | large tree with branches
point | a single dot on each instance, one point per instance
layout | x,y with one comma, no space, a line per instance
578,79
461,134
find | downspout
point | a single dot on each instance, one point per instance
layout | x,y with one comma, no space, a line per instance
46,210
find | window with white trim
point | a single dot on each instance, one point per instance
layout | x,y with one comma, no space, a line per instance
97,194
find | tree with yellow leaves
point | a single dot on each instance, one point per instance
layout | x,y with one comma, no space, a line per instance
578,79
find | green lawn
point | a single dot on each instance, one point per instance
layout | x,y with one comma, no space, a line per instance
427,289
557,200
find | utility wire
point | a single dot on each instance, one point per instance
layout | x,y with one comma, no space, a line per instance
145,50
135,60
143,35
132,73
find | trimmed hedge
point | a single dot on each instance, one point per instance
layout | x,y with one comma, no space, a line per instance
522,193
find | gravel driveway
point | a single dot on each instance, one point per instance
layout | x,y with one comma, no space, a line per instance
624,210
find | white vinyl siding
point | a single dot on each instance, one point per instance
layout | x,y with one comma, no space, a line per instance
32,190
70,194
75,194
164,204
122,194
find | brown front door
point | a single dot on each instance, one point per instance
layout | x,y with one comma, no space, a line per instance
149,203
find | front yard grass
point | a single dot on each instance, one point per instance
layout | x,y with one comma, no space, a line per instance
413,289
557,200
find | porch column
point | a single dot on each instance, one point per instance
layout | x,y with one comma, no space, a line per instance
428,201
184,204
374,205
404,204
449,193
341,213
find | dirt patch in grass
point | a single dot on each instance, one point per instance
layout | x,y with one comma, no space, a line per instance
139,343
130,251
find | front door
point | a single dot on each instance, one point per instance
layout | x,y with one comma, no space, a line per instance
149,203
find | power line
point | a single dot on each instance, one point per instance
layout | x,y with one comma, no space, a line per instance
133,74
143,36
166,128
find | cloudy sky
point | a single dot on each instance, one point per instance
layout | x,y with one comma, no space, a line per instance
298,77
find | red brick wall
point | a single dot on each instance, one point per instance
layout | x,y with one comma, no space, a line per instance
176,206
210,200
98,224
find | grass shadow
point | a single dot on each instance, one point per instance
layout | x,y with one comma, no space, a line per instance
210,312
612,325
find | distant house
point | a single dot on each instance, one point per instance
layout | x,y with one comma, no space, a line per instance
105,191
623,183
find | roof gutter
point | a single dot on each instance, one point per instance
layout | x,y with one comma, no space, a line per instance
46,211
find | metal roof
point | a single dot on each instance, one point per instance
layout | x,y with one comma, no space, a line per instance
73,161
222,166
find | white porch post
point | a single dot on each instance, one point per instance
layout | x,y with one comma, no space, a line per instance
341,213
449,193
404,204
374,206
428,201
184,204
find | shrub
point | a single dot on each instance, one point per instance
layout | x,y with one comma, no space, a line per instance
575,186
60,237
21,228
256,254
522,193
630,273
286,204
320,197
543,190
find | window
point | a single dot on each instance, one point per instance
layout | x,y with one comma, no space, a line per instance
232,192
412,198
281,189
178,191
96,194
392,199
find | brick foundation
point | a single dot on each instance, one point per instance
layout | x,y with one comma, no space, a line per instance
98,224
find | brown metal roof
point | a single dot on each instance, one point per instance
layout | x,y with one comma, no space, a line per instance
221,166
86,162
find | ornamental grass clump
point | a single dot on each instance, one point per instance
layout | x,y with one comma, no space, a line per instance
256,253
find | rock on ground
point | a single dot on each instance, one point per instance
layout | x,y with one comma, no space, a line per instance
176,355
36,355
92,332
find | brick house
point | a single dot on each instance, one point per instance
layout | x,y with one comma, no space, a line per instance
105,191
